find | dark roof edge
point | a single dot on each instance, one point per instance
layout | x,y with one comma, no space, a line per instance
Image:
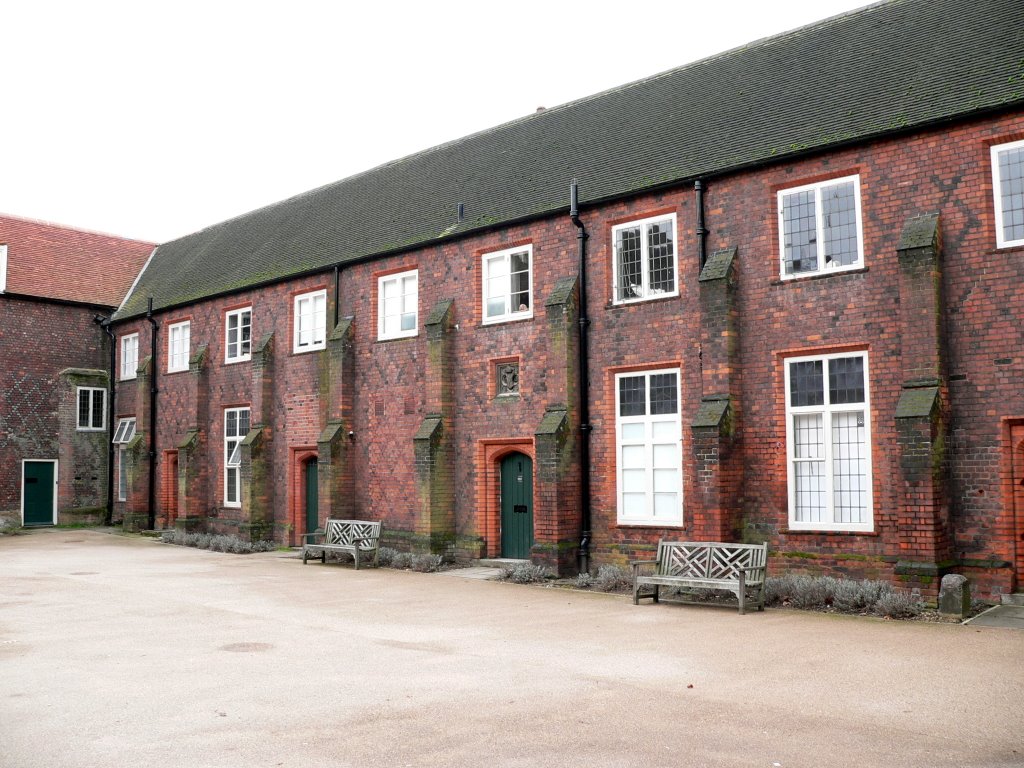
961,117
107,308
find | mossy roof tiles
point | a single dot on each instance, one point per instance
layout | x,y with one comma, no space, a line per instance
890,66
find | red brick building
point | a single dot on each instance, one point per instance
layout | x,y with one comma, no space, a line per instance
54,367
800,321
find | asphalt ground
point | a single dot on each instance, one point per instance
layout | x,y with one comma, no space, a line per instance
120,651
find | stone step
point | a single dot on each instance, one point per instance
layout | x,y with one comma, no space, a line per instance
1017,599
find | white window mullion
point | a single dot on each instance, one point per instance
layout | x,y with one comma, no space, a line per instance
819,223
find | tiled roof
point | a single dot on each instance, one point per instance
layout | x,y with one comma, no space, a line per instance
57,262
890,66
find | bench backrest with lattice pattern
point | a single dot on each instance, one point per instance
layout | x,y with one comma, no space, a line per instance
345,532
711,560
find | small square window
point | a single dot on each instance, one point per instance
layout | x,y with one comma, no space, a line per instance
92,409
129,356
1008,189
398,305
310,321
508,285
238,335
645,259
820,228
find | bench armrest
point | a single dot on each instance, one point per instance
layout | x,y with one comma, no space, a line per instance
638,564
310,538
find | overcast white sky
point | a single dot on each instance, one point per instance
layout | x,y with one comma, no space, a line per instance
153,120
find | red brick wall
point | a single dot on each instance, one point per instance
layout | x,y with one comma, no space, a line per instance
38,340
947,171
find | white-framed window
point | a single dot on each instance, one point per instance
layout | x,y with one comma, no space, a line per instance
238,335
122,436
828,438
125,431
648,448
236,427
1008,189
646,262
820,228
129,356
310,321
178,346
122,473
3,268
92,409
508,284
397,305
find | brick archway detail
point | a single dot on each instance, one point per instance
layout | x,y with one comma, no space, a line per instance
299,457
488,487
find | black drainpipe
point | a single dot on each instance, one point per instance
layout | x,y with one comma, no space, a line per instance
153,368
104,323
583,557
702,232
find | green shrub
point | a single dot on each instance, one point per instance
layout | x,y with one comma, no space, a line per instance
844,595
611,577
524,573
216,543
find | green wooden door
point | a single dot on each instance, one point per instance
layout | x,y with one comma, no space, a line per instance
38,490
516,506
312,500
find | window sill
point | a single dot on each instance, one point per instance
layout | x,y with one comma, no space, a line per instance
320,348
648,526
517,318
824,532
235,360
819,276
176,370
90,429
641,302
130,378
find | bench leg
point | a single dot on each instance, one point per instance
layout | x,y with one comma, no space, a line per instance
741,594
323,557
355,554
305,555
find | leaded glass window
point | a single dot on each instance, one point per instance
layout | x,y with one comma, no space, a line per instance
645,259
820,227
1008,187
828,436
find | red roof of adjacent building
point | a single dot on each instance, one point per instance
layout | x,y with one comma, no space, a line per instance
57,262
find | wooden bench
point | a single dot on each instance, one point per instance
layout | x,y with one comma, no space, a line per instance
354,537
739,568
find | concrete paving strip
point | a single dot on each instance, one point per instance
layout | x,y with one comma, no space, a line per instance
1011,616
117,651
476,572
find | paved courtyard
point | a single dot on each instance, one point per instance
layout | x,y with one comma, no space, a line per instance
120,651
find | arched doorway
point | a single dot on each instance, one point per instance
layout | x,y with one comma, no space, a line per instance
516,506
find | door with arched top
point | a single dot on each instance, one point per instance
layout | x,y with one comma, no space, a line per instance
516,506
